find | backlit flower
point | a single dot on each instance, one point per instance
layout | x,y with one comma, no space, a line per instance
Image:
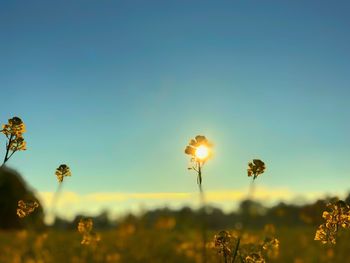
199,148
14,127
62,171
255,168
337,217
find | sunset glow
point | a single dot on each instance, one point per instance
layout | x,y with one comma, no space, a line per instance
202,152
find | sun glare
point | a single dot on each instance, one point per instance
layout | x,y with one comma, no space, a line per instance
202,152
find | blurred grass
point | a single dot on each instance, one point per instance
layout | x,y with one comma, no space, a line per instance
125,244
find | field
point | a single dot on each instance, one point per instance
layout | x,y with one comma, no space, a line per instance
127,244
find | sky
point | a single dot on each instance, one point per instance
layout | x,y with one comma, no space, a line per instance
116,89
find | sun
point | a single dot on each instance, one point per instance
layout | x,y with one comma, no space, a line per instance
202,152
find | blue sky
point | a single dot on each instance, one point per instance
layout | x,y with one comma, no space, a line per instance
115,89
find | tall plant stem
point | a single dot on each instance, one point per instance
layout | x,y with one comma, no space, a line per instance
225,257
251,189
235,252
55,200
203,206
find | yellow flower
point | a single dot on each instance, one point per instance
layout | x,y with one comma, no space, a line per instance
255,168
25,208
326,234
271,246
15,127
13,131
254,258
18,144
271,243
337,216
62,171
222,241
85,227
199,148
90,239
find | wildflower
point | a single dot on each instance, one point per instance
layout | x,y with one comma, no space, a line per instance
14,128
25,208
91,239
62,171
199,149
85,227
13,131
271,247
255,168
254,258
327,235
222,241
337,217
18,144
271,243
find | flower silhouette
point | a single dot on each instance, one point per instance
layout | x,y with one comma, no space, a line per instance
13,131
199,149
14,127
255,168
195,146
62,171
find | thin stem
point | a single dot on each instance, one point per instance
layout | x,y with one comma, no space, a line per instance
11,155
55,200
251,189
8,146
224,253
202,200
199,181
236,250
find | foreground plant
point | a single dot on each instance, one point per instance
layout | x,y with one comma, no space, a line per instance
255,168
246,252
222,242
13,131
25,208
199,149
337,217
245,249
61,172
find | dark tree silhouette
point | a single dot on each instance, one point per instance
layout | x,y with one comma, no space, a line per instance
12,189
